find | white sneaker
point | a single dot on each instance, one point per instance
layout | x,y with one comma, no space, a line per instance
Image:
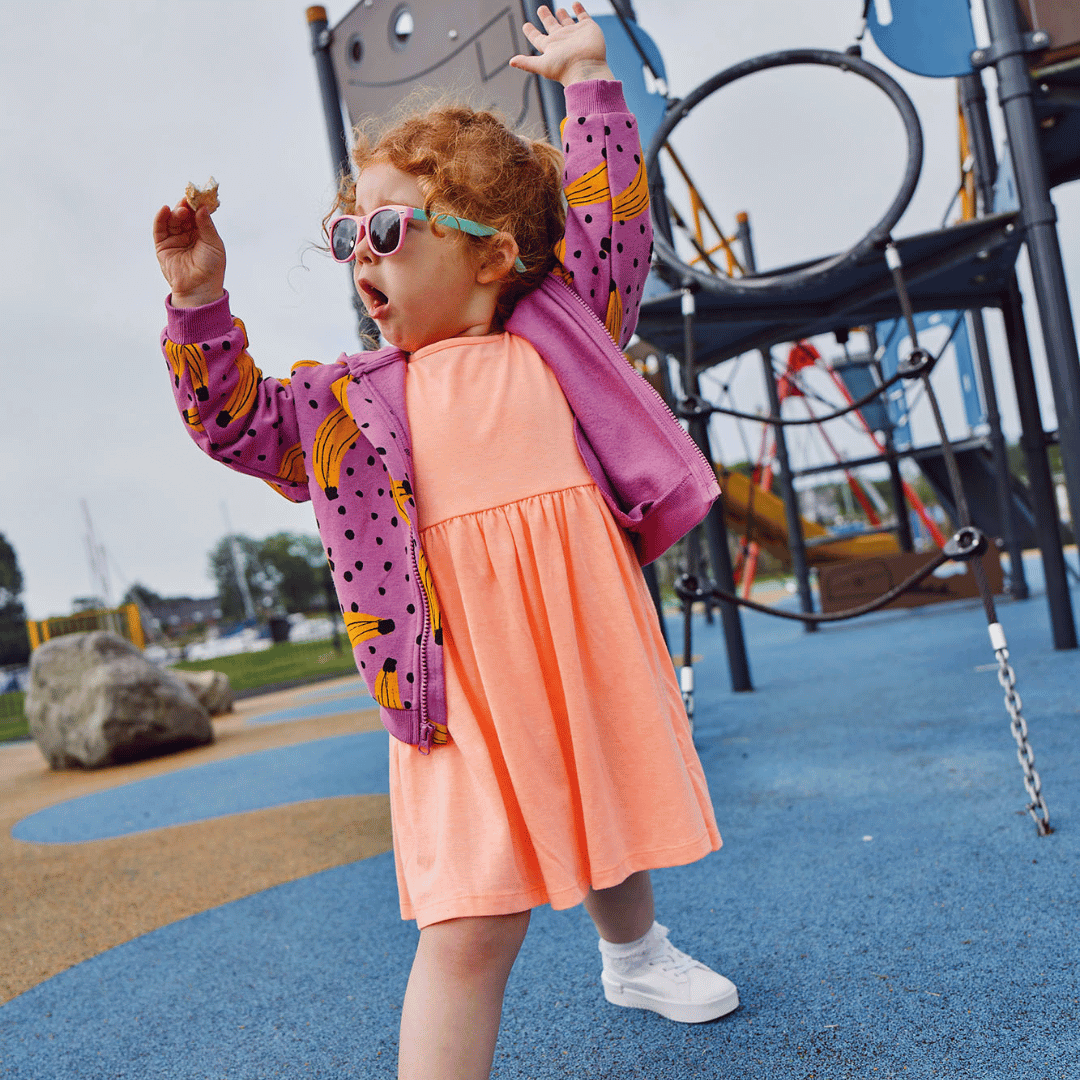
668,982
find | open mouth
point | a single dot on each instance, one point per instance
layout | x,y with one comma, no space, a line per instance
374,300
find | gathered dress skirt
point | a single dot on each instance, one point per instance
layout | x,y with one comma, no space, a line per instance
569,763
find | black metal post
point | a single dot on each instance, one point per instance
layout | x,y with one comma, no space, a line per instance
980,137
1033,441
1039,219
1018,587
716,536
324,68
896,486
653,584
796,540
321,37
981,142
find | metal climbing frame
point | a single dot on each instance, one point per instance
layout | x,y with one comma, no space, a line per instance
965,267
968,544
811,299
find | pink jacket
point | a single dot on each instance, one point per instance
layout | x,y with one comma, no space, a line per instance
338,434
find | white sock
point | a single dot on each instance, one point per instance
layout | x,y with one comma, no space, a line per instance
631,956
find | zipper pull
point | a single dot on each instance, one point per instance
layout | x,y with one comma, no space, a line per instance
427,733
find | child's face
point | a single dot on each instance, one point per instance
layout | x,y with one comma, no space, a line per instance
426,292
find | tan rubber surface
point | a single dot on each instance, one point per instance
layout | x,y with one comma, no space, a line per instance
64,903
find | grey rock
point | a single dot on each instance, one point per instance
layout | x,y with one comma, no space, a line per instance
212,689
95,700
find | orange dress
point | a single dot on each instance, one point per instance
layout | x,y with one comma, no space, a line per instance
570,762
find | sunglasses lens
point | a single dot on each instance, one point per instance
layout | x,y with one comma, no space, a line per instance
343,239
384,234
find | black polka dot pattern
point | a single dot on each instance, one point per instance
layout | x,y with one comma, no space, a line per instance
283,433
605,237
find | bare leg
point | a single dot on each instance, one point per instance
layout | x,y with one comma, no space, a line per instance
453,1003
624,912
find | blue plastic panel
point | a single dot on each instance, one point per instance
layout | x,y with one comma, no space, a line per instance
926,37
965,368
890,335
894,339
860,380
644,97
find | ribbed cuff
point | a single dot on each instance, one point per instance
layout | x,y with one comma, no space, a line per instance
187,326
595,96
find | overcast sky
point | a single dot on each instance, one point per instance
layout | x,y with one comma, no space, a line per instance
108,108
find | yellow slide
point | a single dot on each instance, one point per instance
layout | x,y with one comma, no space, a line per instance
748,506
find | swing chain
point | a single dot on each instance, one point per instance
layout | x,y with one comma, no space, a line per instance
965,545
1025,755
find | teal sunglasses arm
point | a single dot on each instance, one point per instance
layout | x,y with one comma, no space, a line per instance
473,228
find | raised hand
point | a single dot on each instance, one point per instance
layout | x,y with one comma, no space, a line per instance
191,255
570,51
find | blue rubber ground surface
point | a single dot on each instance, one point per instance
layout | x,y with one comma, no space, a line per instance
328,768
339,688
944,946
322,707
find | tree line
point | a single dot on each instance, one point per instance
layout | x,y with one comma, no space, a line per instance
14,642
285,573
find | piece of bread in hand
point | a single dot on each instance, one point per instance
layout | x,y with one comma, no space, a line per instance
205,196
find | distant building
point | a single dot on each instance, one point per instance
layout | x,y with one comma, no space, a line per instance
177,615
80,604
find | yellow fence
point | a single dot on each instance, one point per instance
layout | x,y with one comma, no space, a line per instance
123,620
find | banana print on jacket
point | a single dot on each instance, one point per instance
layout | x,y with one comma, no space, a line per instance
387,691
243,395
388,694
292,469
401,491
191,418
188,359
293,475
592,187
350,454
614,317
634,200
360,627
336,435
429,592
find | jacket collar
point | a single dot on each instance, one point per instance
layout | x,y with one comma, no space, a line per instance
366,362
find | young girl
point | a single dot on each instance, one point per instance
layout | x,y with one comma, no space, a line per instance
486,487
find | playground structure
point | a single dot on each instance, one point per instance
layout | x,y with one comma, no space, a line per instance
877,900
701,314
876,279
125,620
962,268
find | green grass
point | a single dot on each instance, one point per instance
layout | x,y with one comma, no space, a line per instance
12,722
246,671
279,663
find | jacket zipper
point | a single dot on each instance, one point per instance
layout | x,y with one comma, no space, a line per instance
607,340
427,728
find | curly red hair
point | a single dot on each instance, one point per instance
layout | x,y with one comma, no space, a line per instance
468,163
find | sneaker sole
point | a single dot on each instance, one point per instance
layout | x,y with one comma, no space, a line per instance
683,1012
